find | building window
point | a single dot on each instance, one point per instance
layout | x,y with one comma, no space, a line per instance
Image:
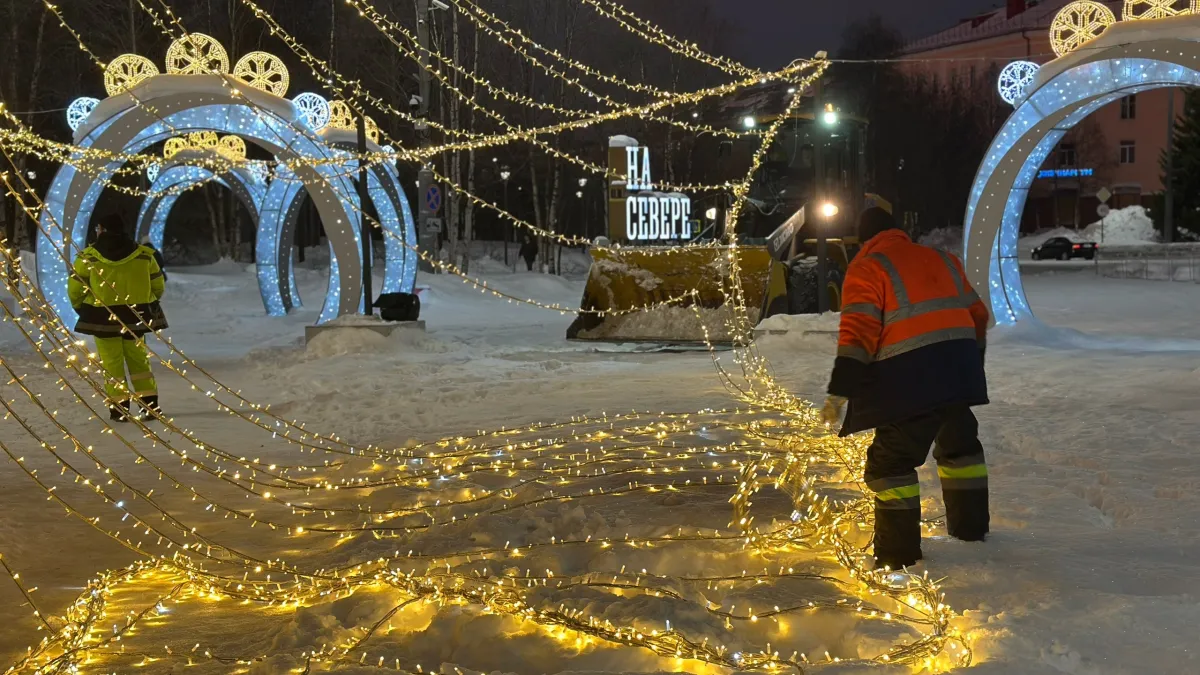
1128,152
1066,155
1129,107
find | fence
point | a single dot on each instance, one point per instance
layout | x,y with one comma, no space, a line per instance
1154,262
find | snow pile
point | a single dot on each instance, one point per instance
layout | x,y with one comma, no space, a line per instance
1128,226
607,268
823,323
339,342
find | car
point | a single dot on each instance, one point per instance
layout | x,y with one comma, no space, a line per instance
1061,248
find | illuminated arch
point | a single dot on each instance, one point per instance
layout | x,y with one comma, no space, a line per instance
179,176
175,104
392,209
1127,59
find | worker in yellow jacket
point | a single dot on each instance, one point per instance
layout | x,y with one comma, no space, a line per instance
116,290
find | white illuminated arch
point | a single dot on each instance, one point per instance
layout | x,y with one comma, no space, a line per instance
1129,57
174,104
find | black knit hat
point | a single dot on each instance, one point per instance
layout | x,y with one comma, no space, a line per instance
113,224
873,221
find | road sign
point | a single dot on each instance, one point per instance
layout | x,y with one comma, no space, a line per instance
433,225
1103,194
1103,210
433,199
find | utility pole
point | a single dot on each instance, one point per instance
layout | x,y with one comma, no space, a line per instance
1169,209
817,214
427,226
363,197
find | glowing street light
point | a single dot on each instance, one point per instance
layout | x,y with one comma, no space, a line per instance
711,214
829,209
749,122
830,117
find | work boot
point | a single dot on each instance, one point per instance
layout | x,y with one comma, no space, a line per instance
152,408
119,412
967,514
897,538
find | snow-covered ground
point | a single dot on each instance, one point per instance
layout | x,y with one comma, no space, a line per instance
1092,566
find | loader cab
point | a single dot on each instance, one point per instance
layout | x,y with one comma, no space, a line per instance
787,179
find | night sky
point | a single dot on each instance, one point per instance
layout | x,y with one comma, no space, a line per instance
771,33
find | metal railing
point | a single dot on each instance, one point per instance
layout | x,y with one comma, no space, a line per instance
1152,262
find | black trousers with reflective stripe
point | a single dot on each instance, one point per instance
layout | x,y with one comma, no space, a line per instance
892,461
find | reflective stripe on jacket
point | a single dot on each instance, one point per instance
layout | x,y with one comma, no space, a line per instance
117,297
911,333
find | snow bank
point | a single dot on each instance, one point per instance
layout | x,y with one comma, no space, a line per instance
348,341
1124,227
827,322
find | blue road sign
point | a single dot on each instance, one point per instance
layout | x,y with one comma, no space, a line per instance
433,199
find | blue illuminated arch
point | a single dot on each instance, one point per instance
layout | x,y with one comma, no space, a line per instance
177,177
1130,57
392,209
170,105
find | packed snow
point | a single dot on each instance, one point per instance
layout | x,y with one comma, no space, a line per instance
1092,566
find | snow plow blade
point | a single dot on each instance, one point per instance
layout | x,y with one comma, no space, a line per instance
629,279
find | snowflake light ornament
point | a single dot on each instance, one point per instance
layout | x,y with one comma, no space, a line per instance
263,71
1138,10
1079,23
197,54
341,116
314,108
1015,78
126,72
78,111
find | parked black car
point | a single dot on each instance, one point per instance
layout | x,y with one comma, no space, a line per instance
1061,248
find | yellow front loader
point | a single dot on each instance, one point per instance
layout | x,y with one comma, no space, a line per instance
623,281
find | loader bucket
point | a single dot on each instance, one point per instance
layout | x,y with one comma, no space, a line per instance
621,280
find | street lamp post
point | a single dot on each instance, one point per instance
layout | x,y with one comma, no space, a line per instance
506,234
586,230
825,118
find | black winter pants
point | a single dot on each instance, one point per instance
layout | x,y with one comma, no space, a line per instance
892,462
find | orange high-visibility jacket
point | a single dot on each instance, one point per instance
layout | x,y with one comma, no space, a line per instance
912,334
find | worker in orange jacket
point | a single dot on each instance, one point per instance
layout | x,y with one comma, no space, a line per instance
910,364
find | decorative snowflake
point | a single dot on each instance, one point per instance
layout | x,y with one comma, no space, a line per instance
1015,78
1137,10
1078,24
78,111
263,71
314,108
